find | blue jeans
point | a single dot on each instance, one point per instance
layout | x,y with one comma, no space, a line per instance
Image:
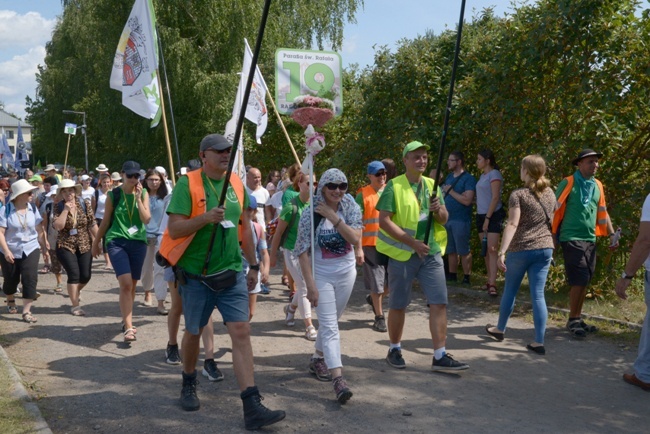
536,264
642,363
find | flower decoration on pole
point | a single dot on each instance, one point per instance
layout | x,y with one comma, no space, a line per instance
312,111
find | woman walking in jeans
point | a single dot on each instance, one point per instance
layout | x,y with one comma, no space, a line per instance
337,226
528,244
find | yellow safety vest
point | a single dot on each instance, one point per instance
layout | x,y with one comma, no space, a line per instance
406,216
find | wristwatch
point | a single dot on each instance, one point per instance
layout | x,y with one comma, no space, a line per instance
627,276
255,267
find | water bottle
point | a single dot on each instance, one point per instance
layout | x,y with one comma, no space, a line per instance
484,245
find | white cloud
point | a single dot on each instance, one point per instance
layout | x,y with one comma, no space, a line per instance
24,31
18,79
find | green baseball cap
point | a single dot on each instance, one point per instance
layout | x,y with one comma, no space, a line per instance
413,146
35,178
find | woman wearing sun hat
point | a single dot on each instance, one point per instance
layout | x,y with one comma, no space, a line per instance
74,219
125,215
21,233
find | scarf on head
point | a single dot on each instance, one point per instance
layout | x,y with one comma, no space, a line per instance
587,188
348,207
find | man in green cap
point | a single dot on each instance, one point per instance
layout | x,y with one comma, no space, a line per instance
404,208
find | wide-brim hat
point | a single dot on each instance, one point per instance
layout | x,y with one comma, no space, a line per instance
21,186
49,168
586,153
69,183
52,191
116,176
101,168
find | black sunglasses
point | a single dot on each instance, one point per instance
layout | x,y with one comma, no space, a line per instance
342,186
221,151
378,174
133,175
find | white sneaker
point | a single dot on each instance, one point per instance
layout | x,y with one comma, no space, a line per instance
310,333
289,320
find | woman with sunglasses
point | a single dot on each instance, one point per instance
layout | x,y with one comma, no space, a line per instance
21,234
337,227
154,183
285,238
126,238
74,219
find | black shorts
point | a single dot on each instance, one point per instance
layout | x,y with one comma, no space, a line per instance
496,221
579,261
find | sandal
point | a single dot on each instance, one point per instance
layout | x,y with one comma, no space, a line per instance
285,281
492,290
310,333
129,335
135,330
77,311
29,318
289,319
575,328
11,307
45,269
58,288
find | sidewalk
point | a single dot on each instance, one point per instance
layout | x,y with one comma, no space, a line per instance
88,380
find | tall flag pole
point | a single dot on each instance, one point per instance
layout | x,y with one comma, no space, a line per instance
443,139
169,97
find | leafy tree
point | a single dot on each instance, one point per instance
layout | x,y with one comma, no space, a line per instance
202,41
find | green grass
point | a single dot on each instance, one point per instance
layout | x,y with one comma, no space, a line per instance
13,416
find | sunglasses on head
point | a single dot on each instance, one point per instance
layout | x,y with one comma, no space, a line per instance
342,186
133,175
221,151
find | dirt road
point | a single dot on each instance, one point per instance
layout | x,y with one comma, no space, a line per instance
87,380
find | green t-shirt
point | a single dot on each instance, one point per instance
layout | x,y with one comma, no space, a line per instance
226,253
579,221
292,231
289,194
387,203
126,216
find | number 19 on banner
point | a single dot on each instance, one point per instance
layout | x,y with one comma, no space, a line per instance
307,72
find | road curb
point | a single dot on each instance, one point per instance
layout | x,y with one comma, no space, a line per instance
477,294
19,392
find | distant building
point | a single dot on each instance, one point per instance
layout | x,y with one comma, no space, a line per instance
10,125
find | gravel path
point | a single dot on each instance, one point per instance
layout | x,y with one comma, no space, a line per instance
87,380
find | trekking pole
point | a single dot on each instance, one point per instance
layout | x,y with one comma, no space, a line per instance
240,124
443,139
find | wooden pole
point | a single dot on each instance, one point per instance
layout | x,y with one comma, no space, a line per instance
286,134
172,173
67,149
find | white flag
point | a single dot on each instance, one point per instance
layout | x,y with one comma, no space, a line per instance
256,111
136,61
238,165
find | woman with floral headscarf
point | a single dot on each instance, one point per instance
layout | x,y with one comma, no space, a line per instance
337,227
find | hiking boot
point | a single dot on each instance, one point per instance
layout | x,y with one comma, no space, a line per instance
466,280
588,327
372,305
290,319
447,363
211,371
256,415
343,393
189,400
172,355
575,328
379,324
318,367
395,359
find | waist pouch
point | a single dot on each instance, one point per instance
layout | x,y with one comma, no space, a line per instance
216,282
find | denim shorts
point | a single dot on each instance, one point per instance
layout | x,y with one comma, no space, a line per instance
127,256
458,234
199,301
430,273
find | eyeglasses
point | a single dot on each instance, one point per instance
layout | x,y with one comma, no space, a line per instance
378,174
342,186
133,175
221,151
153,180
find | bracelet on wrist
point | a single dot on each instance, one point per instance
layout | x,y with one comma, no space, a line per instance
487,218
501,253
255,267
338,222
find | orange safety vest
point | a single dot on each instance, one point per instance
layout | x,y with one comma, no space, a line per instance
601,214
370,216
173,249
